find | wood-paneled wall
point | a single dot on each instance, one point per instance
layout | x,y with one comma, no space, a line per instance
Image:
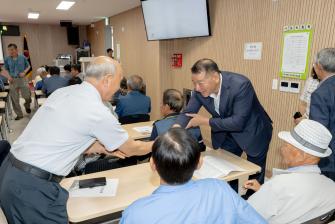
45,42
233,23
96,37
138,56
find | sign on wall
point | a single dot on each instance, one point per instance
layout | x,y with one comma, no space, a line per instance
296,49
253,51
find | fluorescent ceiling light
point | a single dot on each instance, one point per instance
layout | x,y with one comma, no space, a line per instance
65,5
33,15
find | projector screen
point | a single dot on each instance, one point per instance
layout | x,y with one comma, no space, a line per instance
170,19
1,52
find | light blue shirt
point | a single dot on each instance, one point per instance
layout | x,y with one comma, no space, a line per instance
203,201
16,66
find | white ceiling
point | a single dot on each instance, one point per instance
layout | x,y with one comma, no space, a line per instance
83,12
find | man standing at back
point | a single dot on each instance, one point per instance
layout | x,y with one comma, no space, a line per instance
238,123
322,107
15,69
110,53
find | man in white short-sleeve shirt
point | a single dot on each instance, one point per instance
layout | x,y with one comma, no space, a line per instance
72,121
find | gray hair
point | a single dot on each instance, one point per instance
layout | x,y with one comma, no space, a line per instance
40,70
135,82
326,58
98,71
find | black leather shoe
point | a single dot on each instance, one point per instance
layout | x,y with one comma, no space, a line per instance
18,118
28,110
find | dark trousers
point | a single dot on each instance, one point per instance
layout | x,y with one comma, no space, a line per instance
27,199
231,146
325,165
329,174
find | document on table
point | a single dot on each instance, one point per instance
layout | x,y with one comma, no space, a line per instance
109,190
214,167
143,129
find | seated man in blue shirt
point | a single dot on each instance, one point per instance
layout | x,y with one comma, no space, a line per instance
175,156
172,105
54,82
134,102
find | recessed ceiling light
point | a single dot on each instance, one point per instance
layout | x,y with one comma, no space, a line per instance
33,15
65,5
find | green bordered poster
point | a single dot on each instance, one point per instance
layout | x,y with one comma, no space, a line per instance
296,48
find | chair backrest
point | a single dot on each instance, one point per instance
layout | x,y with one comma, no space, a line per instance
135,118
108,164
4,150
3,219
322,219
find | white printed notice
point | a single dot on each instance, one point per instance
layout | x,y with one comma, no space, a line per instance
295,54
214,167
253,51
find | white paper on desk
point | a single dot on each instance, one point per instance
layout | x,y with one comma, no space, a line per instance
214,167
143,129
109,190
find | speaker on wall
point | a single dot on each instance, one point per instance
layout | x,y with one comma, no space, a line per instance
72,35
65,23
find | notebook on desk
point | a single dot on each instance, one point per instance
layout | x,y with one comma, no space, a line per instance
143,129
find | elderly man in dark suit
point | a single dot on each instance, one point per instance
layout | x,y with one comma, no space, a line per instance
322,107
135,102
238,123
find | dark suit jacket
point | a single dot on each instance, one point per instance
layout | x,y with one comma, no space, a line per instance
322,110
241,115
53,83
133,103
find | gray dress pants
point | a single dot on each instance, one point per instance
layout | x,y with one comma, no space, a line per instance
27,199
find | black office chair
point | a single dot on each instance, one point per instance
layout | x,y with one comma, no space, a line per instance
135,118
4,150
108,164
322,219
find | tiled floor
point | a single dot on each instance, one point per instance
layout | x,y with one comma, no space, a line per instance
17,127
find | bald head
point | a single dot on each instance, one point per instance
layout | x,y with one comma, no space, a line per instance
105,75
102,66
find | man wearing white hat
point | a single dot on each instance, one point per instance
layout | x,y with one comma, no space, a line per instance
301,192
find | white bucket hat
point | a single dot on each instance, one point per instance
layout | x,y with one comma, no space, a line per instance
310,137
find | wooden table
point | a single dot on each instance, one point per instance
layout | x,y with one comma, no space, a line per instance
135,134
41,101
3,219
3,95
135,182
